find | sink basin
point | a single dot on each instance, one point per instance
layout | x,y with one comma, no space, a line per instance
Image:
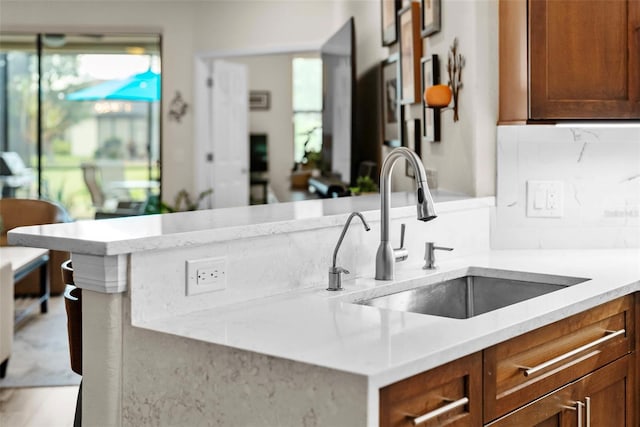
472,292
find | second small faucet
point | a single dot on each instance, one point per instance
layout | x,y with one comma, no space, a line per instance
335,272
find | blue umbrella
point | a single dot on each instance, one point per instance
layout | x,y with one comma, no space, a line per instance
143,87
139,87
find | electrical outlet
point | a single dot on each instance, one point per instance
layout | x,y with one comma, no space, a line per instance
545,199
206,275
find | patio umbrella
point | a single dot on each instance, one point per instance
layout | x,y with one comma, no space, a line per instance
139,87
143,87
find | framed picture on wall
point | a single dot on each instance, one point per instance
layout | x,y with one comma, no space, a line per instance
430,116
410,52
389,21
430,17
391,108
259,100
413,143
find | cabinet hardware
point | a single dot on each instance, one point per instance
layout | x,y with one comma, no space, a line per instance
587,401
530,371
440,411
578,408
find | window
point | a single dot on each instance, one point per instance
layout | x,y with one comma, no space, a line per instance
307,107
68,101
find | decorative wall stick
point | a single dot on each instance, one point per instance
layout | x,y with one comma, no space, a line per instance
177,107
455,64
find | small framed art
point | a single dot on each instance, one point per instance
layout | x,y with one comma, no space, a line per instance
389,21
410,52
430,17
430,116
259,100
391,108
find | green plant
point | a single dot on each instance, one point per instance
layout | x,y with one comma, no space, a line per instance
364,184
184,198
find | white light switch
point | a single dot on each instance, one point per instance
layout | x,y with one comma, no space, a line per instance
545,199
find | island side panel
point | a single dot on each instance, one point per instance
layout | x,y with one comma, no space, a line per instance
101,358
170,380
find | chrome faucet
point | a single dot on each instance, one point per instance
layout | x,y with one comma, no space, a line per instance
335,273
387,256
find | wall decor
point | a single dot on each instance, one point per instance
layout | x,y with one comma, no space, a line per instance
455,64
389,21
413,143
177,107
430,17
259,100
430,116
391,109
410,52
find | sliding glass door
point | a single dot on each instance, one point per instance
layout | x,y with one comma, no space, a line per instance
91,139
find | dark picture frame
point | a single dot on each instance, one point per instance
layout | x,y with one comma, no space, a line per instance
413,143
430,17
392,114
259,100
430,71
389,21
410,52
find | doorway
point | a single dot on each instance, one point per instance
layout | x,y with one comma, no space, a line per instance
73,103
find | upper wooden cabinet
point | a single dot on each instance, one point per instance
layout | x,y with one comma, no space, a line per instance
583,59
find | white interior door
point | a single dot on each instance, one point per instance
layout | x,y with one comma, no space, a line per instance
222,150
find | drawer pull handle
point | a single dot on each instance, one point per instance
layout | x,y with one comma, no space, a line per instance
611,335
440,411
587,405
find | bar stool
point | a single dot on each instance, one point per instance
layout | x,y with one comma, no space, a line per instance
73,307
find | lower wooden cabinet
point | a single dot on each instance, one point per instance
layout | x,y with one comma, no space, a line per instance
520,370
450,395
581,371
602,398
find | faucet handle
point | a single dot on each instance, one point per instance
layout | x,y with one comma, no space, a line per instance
401,253
430,256
335,278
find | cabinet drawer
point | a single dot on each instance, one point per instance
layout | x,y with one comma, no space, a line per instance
601,398
450,394
526,367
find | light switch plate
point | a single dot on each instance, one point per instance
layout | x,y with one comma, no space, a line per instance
545,199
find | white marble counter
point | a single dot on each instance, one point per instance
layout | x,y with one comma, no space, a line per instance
324,329
184,229
275,303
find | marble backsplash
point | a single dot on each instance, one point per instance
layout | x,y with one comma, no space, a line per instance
600,171
262,266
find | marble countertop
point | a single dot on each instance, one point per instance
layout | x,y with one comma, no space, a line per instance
326,329
183,229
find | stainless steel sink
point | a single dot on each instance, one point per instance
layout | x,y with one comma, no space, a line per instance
474,291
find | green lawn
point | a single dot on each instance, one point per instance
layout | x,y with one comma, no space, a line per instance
63,182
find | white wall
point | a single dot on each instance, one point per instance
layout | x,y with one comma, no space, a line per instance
464,159
465,156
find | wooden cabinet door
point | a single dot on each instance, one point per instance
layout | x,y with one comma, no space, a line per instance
558,409
609,394
449,395
602,398
579,345
584,59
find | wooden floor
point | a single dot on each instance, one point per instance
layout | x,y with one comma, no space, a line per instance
38,406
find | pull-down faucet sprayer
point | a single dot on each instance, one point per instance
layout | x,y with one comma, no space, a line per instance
386,257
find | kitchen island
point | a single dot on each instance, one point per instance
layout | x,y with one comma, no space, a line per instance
273,347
